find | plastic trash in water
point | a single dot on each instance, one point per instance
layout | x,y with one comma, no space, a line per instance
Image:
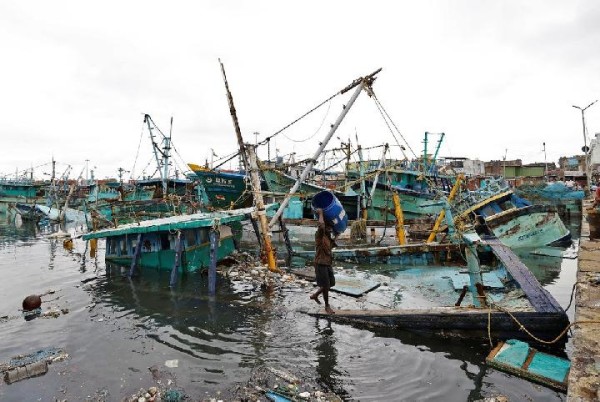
172,363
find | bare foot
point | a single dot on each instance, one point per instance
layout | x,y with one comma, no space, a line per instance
329,310
315,298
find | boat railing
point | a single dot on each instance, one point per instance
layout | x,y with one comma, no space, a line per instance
490,188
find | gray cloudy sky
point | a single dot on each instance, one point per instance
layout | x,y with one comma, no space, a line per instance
495,76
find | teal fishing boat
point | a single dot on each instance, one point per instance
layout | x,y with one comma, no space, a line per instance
495,209
419,194
158,242
20,191
223,190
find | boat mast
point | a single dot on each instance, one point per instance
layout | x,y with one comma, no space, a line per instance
236,124
165,153
437,150
361,177
425,152
346,148
164,172
251,166
381,163
360,84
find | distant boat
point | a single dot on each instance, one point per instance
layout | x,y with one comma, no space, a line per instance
71,214
28,212
19,191
224,190
159,239
557,193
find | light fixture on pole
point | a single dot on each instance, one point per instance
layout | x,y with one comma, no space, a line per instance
585,148
545,162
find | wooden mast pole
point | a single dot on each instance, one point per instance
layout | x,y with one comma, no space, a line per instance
248,155
236,124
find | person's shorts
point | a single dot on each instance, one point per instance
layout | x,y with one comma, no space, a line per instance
324,276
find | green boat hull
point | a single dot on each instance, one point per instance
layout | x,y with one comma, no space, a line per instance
194,258
224,190
533,226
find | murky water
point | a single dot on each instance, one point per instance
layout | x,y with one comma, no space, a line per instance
118,327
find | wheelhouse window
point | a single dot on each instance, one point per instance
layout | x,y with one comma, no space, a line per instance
190,237
165,243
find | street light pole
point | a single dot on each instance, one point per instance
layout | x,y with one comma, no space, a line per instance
545,162
586,149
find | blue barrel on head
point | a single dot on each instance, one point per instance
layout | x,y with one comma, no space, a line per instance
333,212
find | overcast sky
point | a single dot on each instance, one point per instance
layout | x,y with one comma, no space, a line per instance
497,77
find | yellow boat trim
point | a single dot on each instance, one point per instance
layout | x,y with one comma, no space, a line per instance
482,203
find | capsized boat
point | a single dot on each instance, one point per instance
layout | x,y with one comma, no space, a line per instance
427,287
156,241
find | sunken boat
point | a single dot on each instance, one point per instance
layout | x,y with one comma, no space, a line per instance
474,288
183,241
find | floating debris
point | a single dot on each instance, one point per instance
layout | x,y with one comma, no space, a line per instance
34,364
279,385
518,358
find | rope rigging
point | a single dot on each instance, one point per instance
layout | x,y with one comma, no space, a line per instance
267,139
316,131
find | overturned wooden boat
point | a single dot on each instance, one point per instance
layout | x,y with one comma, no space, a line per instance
159,242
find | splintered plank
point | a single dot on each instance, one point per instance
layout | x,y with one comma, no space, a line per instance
539,298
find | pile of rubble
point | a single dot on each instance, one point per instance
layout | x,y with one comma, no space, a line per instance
272,384
245,269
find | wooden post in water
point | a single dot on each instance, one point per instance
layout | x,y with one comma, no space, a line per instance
94,242
214,236
177,262
136,255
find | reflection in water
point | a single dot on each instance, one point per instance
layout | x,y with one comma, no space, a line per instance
327,361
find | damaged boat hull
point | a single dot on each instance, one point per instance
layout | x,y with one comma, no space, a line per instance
531,226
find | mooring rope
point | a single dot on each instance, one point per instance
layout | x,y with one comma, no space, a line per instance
524,329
